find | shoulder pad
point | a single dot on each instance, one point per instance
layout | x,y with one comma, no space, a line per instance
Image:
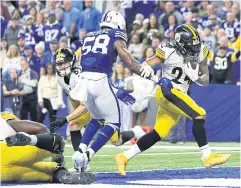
205,51
119,34
161,51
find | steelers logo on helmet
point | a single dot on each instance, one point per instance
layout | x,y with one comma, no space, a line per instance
64,61
177,37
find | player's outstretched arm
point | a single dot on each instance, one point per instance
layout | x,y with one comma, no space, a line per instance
27,126
145,70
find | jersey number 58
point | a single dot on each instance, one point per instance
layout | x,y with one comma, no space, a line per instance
96,44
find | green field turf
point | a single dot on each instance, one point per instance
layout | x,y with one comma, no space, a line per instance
170,157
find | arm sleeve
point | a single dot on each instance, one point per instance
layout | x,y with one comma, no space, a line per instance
120,35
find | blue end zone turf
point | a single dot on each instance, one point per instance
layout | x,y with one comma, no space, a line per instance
148,177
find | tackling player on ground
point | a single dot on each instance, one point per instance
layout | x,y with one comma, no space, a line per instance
32,143
183,60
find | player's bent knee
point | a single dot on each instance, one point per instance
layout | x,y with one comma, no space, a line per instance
74,126
58,144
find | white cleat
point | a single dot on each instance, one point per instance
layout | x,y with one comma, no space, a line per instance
81,161
138,131
84,170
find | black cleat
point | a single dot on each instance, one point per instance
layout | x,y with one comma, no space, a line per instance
83,178
19,139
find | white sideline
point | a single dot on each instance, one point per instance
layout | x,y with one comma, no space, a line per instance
218,148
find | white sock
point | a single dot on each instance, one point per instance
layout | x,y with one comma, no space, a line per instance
34,139
83,147
92,152
133,151
138,131
206,151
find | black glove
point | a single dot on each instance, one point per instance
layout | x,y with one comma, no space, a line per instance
57,123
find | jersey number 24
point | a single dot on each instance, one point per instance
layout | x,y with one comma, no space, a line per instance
96,44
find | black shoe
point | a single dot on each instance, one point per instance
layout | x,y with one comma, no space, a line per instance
83,178
18,139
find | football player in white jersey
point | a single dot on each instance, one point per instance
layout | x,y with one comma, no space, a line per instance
99,52
183,60
71,83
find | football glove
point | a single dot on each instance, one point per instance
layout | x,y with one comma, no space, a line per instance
124,96
190,72
146,70
57,123
165,84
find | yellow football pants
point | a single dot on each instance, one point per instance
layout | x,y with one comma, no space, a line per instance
22,163
171,107
84,120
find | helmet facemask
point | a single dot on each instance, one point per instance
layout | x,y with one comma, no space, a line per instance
63,68
193,52
64,62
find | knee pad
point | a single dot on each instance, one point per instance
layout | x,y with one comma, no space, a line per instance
58,143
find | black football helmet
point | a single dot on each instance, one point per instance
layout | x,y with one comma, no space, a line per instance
187,42
64,61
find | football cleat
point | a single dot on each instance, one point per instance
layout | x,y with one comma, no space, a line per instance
215,159
61,175
19,139
121,162
83,178
81,161
87,169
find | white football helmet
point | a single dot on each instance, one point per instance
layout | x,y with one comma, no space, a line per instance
114,20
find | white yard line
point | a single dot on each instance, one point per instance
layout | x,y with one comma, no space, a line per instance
226,148
151,154
196,168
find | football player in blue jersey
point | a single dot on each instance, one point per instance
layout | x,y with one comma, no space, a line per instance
53,30
30,32
99,52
